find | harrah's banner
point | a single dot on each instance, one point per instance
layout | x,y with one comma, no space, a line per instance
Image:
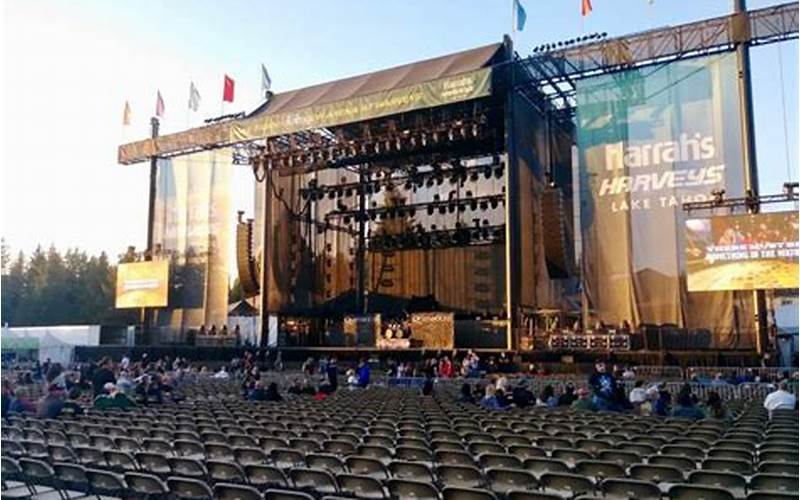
650,140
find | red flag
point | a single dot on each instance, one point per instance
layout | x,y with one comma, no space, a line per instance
159,105
227,89
586,7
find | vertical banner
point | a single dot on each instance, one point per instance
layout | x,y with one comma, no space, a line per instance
649,141
193,227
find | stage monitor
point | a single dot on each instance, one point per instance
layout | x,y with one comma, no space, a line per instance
142,284
742,252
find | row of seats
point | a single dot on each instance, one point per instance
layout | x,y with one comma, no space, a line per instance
271,483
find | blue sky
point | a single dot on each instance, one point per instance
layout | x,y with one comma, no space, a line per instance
68,68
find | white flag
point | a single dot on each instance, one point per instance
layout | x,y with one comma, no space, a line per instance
194,97
266,82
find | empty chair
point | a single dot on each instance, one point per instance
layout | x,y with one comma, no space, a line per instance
571,484
599,469
338,447
655,473
679,462
218,451
455,493
227,491
413,454
483,447
189,448
630,488
695,492
778,456
417,471
692,452
226,472
623,458
453,458
539,466
328,462
770,495
735,483
153,462
59,453
154,445
381,453
266,476
406,488
189,489
733,453
286,458
36,472
277,494
533,495
727,465
503,480
462,476
366,466
315,480
103,482
189,467
525,451
361,486
146,484
774,482
120,461
491,460
89,456
779,468
250,455
69,476
569,455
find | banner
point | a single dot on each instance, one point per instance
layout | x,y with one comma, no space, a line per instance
142,284
462,87
192,229
742,252
649,141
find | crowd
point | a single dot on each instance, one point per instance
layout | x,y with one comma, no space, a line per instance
605,394
108,384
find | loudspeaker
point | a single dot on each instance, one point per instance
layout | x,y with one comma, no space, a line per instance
558,250
245,260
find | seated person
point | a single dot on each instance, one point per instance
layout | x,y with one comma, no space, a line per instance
584,401
111,397
686,406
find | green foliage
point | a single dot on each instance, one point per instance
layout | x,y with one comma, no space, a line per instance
54,289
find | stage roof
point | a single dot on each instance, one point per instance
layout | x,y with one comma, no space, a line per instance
432,82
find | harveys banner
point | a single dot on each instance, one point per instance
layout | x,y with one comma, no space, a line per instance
649,141
456,88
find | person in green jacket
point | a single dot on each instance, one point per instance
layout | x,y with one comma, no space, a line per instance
584,401
112,398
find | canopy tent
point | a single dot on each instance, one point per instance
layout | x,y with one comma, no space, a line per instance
56,343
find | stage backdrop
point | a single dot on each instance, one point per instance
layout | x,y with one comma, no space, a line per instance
742,252
193,227
650,140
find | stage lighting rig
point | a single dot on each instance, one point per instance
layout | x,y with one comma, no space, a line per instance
790,190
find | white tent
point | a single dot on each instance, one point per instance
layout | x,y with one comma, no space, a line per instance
54,342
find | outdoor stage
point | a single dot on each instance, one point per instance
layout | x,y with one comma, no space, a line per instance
463,198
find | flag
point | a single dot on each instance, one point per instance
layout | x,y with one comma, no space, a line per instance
266,82
159,104
194,97
227,89
520,15
126,115
586,7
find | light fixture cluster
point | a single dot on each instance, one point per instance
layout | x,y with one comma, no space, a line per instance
548,47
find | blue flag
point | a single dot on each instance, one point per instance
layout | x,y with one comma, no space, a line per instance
520,15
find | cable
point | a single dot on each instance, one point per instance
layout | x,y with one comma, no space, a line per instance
785,126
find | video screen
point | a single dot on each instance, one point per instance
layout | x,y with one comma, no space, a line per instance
742,252
142,284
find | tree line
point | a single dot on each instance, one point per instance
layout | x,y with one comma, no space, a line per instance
51,288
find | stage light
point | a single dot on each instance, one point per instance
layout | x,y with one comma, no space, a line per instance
790,189
719,196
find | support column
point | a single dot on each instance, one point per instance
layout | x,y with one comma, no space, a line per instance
147,316
750,164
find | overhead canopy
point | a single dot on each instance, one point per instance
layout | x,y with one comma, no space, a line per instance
433,82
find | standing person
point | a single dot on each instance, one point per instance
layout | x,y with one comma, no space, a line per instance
363,373
604,388
445,367
103,376
333,374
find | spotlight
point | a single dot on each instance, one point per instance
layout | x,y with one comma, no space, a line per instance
789,189
719,196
